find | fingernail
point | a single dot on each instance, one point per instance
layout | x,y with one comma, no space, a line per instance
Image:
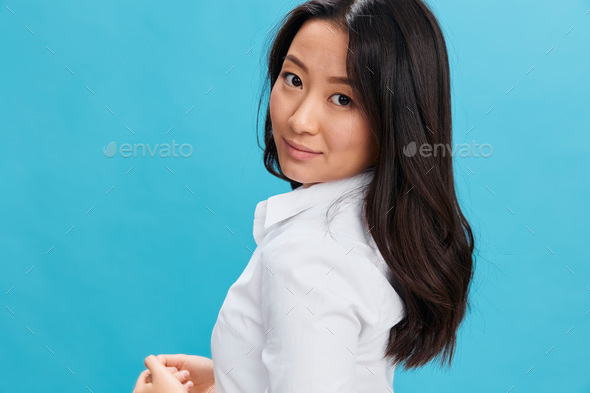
185,373
189,385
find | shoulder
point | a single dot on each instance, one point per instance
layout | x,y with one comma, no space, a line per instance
299,247
337,266
334,232
336,216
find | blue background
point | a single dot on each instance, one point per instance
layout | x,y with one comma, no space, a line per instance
107,260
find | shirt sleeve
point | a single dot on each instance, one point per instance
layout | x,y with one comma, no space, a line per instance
312,302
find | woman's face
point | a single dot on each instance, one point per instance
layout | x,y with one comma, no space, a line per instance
313,110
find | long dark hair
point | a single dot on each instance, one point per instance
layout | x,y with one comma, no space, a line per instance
399,72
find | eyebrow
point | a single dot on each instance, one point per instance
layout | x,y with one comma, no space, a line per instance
333,79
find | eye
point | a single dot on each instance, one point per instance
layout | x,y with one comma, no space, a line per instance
347,101
288,74
343,101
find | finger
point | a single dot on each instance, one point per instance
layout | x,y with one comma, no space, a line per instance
148,379
176,360
145,374
142,380
189,385
156,368
182,376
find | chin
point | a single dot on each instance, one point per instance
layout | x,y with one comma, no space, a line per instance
298,177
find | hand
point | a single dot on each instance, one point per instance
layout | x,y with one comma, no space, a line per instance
200,370
160,379
182,376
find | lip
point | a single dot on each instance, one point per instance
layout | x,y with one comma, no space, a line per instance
299,154
301,147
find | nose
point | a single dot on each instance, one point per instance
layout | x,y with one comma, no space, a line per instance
306,115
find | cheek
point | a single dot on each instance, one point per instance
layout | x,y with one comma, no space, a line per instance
343,135
276,104
350,137
271,103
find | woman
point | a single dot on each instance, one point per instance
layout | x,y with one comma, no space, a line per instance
333,300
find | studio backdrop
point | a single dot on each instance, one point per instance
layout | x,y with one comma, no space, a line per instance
130,171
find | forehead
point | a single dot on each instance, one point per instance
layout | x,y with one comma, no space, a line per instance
322,44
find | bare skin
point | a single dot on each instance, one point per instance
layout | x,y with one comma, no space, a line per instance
177,374
318,113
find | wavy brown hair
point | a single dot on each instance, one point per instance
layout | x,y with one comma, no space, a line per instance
399,72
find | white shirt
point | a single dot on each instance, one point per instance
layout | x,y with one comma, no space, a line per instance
312,310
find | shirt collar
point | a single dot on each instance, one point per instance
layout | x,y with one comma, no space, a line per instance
282,206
